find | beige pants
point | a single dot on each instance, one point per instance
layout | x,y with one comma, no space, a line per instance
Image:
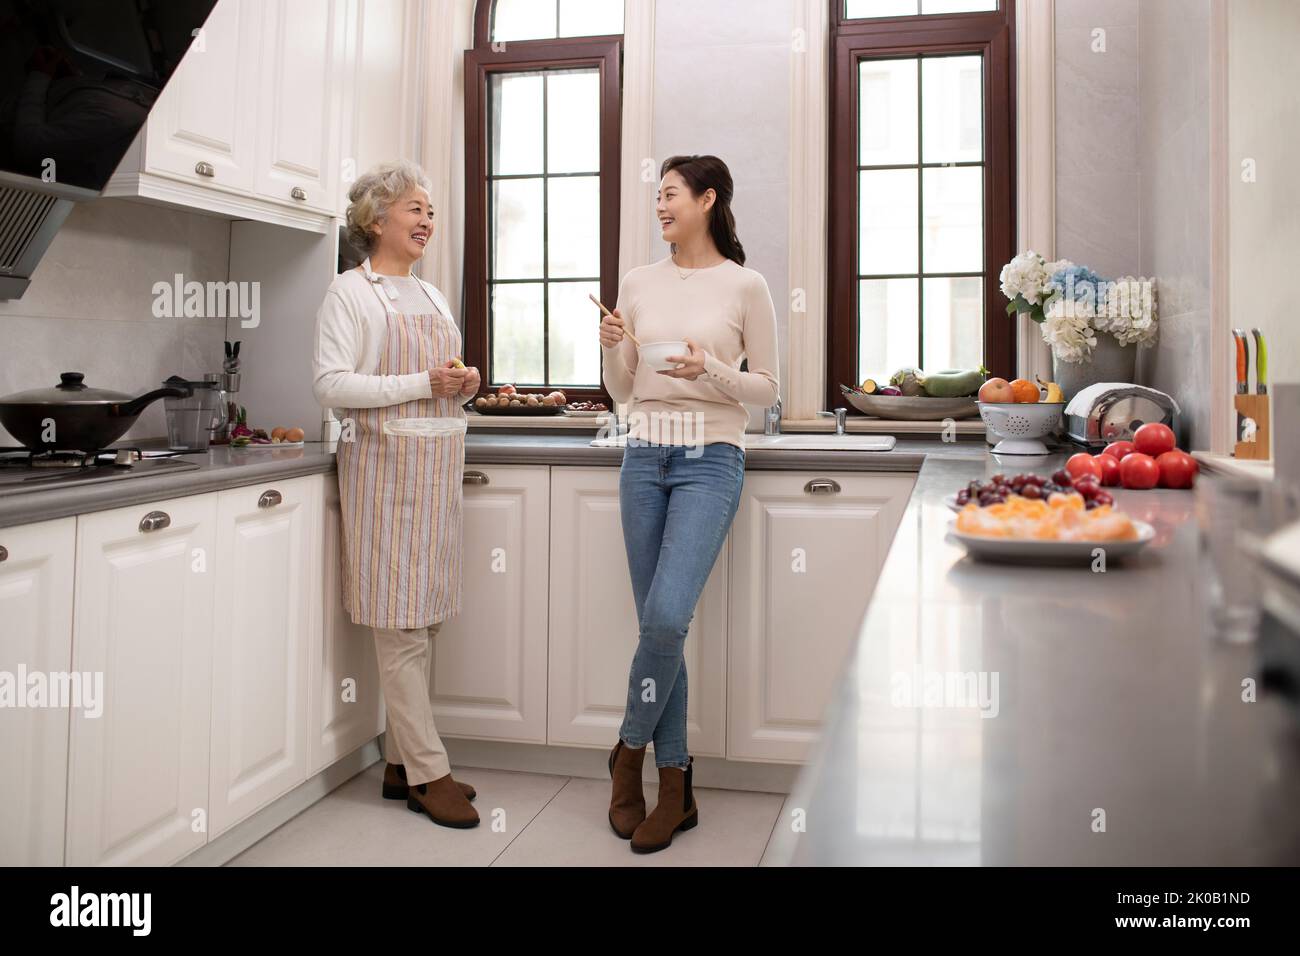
412,740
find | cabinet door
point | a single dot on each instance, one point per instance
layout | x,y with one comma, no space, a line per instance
299,102
203,126
36,566
266,563
594,626
138,772
807,551
488,673
347,703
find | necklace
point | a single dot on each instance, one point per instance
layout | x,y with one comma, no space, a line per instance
680,274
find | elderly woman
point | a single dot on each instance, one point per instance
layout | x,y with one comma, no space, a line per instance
387,348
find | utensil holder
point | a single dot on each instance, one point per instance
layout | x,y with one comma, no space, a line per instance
1252,427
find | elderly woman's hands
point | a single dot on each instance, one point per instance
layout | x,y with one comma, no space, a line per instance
448,380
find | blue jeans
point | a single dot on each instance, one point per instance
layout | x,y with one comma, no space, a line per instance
677,505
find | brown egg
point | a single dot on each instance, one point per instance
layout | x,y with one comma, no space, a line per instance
294,434
277,433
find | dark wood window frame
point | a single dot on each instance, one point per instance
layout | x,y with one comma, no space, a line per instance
991,34
485,59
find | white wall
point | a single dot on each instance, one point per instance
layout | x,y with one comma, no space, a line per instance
1264,215
89,307
1133,172
722,86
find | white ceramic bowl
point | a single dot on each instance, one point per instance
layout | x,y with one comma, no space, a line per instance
655,353
1020,425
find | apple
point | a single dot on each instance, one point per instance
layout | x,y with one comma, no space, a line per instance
997,390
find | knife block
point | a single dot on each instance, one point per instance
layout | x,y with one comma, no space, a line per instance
1254,407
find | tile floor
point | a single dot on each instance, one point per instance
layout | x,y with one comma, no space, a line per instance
528,819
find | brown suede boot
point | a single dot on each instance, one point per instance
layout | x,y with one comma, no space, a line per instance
627,802
443,802
676,810
395,787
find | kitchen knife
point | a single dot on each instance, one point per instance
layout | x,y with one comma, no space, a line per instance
1261,363
1242,360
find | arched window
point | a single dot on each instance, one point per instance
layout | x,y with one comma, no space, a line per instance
542,124
921,187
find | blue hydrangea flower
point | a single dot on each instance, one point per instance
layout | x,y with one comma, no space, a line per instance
1079,281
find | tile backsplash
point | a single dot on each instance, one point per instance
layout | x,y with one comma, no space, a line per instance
90,305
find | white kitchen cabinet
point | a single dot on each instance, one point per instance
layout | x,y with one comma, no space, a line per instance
299,102
36,568
346,701
248,126
198,131
806,552
488,671
268,562
138,774
594,627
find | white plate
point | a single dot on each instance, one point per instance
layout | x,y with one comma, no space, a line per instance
261,445
1031,550
584,413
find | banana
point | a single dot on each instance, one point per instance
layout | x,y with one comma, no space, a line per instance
1054,393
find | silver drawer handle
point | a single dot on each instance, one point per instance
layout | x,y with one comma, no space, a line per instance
822,486
4,552
155,521
205,169
474,478
298,193
269,499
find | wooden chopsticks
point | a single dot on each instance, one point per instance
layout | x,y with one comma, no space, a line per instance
609,313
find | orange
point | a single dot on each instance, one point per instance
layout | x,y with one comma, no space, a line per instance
1024,390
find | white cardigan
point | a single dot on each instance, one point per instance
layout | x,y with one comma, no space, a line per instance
350,329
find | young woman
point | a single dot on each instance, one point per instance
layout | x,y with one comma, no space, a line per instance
387,347
685,460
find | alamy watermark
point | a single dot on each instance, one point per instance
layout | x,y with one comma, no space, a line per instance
56,689
208,300
951,689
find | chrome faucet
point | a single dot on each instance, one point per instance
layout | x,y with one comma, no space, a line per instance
840,415
772,418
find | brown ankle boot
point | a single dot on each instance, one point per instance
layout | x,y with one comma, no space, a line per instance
395,787
676,810
443,802
627,802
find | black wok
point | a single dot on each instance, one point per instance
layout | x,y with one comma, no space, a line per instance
72,416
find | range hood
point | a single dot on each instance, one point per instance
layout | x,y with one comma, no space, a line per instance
77,81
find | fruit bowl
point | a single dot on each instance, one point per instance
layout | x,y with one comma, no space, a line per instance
1020,425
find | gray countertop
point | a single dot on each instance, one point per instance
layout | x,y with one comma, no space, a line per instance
1102,692
225,467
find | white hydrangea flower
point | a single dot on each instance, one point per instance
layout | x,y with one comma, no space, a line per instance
1025,275
1129,312
1067,328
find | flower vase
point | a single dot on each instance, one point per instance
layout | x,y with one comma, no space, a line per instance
1111,362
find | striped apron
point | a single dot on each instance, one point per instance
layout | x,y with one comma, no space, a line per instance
401,495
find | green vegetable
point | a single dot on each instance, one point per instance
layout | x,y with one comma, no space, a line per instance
907,380
954,383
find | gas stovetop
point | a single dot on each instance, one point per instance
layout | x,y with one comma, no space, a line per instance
24,470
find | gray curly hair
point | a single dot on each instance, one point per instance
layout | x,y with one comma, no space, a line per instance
372,194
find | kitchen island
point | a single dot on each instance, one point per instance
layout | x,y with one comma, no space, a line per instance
1007,715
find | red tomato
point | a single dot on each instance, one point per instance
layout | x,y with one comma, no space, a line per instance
1154,439
1109,465
1139,471
1118,449
1082,464
1177,469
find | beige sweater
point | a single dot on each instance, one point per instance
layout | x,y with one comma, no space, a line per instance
727,311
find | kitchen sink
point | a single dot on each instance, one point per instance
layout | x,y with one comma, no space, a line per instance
822,442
